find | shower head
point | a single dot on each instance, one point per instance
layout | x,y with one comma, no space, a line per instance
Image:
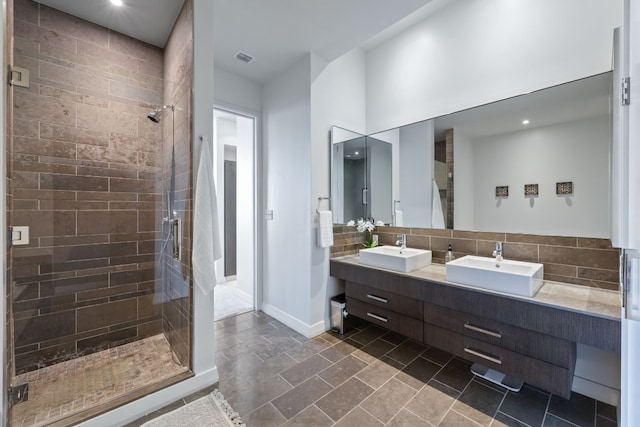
154,115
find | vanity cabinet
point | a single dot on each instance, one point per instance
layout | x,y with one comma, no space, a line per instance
541,360
393,311
520,337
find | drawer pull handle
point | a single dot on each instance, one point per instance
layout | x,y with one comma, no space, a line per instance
482,330
377,298
380,318
482,355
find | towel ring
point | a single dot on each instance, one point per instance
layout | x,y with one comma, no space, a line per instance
320,199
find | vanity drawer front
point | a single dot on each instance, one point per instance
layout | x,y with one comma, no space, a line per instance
399,323
540,346
547,376
385,299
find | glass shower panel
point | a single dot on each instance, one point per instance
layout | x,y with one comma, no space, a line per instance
355,179
101,307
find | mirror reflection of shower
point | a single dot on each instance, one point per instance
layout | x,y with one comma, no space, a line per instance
175,224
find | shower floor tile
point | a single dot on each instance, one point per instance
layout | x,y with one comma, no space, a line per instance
61,390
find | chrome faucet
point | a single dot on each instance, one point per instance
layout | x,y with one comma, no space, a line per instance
402,241
498,253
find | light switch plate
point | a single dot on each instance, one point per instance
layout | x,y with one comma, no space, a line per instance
268,215
20,235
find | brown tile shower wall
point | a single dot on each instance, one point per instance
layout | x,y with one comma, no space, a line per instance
450,177
85,165
178,65
581,261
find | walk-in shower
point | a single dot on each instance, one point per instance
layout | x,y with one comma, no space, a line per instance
94,324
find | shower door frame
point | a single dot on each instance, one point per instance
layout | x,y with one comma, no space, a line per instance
5,376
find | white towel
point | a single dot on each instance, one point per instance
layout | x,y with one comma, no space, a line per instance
206,230
398,218
325,229
437,217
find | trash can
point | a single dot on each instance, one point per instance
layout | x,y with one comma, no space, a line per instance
341,321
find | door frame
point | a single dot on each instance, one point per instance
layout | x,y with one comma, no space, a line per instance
257,189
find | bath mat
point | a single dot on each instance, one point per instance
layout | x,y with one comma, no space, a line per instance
211,410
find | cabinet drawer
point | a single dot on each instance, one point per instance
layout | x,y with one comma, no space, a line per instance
385,299
544,375
399,323
540,346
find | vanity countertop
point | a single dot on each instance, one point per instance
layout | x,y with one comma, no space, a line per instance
582,299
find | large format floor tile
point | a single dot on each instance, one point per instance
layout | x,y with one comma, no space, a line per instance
274,376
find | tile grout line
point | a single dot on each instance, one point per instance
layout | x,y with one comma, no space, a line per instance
546,410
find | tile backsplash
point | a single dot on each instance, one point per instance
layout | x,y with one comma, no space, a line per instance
578,260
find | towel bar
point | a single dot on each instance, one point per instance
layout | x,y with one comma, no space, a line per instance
320,199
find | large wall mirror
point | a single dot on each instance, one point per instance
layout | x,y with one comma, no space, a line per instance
537,163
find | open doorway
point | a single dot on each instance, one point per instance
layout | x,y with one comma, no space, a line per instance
234,145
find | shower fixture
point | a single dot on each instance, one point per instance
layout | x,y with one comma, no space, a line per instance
154,115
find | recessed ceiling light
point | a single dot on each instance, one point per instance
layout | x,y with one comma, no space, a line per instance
116,2
356,153
525,122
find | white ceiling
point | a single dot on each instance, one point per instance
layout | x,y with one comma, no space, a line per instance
277,33
148,20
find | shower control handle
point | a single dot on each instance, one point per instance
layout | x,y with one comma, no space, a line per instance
176,225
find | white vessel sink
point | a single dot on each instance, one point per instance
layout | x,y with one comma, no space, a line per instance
395,258
512,277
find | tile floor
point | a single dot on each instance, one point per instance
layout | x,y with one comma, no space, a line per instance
57,391
274,376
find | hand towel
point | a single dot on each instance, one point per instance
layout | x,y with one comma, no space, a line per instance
397,218
437,217
325,229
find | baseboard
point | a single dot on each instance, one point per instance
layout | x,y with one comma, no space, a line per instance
317,329
305,329
596,391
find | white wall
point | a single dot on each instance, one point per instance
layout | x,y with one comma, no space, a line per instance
416,172
567,152
337,98
475,51
287,186
234,91
298,109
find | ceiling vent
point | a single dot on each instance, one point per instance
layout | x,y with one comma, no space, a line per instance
241,56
